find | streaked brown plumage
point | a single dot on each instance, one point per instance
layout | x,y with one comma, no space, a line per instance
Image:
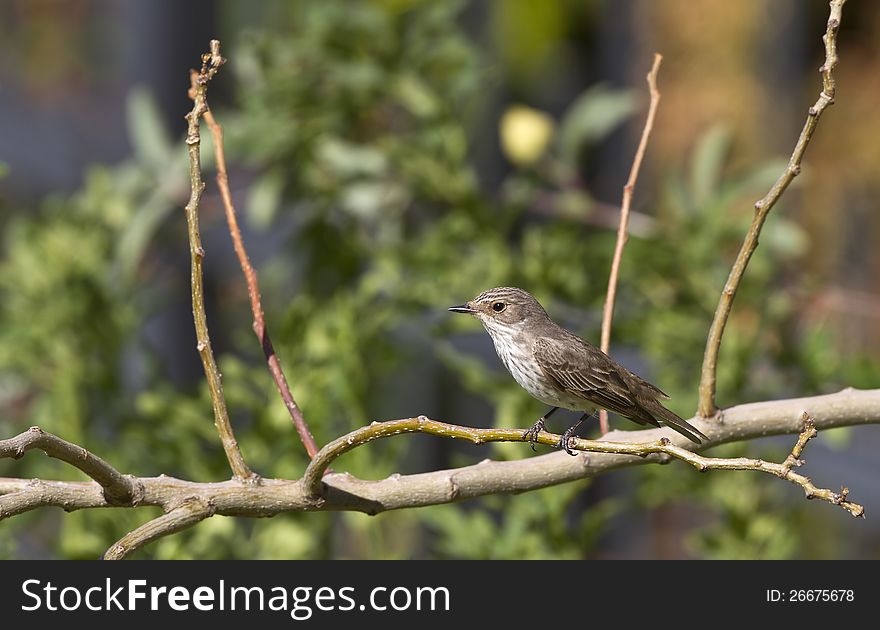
561,369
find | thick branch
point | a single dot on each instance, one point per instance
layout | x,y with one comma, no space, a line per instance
118,488
250,275
663,446
623,231
191,510
762,209
211,62
344,492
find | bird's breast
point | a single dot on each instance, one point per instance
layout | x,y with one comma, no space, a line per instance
516,353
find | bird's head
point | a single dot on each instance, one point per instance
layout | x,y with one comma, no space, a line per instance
503,307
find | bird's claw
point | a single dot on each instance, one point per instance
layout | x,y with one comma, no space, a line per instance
564,440
532,434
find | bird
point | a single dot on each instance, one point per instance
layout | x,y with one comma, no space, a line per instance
560,369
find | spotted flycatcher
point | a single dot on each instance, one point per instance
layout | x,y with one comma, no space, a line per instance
562,370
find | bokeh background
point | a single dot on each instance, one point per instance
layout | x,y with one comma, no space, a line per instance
390,158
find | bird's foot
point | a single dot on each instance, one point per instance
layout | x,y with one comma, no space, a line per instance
532,434
563,442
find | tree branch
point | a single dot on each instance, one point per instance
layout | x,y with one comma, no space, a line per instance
762,209
622,231
211,62
259,323
119,489
663,445
341,491
186,503
191,510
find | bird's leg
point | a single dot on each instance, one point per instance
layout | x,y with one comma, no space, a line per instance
532,434
569,432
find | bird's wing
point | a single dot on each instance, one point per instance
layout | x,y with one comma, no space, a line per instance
650,386
585,372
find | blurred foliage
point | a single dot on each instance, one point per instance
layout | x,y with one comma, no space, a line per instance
354,118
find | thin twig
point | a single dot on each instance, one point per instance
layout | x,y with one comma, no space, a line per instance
211,62
622,230
314,473
191,510
118,488
806,435
763,206
343,492
253,286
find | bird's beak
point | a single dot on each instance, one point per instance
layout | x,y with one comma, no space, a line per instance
464,308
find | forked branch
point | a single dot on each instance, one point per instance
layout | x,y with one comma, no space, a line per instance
762,209
190,511
211,63
661,446
250,275
341,491
118,488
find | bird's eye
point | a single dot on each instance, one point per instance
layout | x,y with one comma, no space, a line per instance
498,307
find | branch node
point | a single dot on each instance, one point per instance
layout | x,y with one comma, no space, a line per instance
254,480
453,492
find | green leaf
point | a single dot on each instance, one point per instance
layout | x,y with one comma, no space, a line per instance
707,163
348,160
264,199
149,136
758,181
136,236
592,116
368,200
786,238
416,95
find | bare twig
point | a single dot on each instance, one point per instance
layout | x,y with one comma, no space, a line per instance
762,209
344,492
663,445
118,488
250,275
622,231
211,62
806,435
190,511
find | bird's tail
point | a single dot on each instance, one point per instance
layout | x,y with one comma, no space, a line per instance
672,420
